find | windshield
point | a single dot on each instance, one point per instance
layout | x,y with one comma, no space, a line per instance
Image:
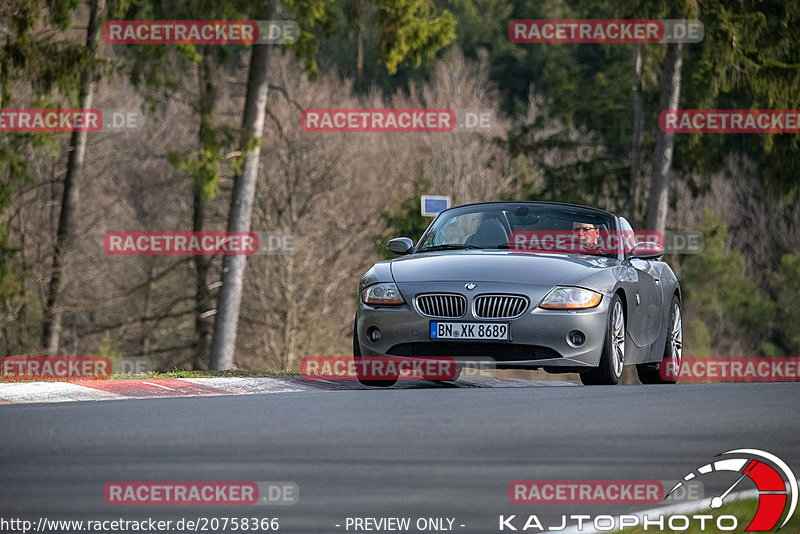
516,225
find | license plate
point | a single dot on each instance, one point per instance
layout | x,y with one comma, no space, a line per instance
470,331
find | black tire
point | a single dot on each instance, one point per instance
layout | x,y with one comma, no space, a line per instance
357,358
651,373
612,359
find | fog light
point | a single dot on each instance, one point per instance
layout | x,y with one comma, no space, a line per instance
576,338
373,334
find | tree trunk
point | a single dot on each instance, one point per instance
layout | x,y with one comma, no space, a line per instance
665,142
230,294
51,332
638,128
360,58
289,337
202,296
202,324
147,311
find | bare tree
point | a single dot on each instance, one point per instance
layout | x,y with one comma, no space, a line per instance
77,151
658,202
638,128
230,294
207,99
313,188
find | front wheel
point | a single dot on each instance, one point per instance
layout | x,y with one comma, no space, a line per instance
612,359
357,357
669,367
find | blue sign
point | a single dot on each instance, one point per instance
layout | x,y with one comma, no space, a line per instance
432,205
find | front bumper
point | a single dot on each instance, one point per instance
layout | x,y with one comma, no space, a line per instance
538,338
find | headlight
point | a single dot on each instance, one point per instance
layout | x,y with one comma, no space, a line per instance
385,294
570,298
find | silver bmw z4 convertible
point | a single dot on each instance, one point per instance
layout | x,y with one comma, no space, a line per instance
528,285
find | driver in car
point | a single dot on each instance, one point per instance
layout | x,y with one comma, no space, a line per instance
589,234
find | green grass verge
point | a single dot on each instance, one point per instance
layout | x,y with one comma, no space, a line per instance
743,510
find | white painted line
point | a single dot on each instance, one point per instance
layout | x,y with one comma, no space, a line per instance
157,385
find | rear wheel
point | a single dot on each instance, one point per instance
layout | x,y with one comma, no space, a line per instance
612,359
358,359
670,364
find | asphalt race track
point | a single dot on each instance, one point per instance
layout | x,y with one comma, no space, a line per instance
431,450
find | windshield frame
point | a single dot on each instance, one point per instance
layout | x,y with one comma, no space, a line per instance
503,207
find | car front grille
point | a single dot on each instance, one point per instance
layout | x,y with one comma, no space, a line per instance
442,305
500,306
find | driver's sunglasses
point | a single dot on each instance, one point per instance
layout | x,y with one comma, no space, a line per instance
586,228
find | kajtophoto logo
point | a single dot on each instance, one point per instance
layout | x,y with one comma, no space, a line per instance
775,483
776,491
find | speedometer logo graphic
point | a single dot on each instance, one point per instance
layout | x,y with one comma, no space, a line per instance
770,479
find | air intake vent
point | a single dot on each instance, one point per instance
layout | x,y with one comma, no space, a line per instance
442,305
500,306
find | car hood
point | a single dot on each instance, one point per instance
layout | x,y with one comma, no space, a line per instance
492,266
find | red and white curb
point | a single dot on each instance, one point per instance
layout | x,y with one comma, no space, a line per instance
93,390
87,390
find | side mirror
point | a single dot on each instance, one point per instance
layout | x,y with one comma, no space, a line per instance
400,245
647,250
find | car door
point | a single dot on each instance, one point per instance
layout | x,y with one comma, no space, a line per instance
644,318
